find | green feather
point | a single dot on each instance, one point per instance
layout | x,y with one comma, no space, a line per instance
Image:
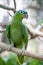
25,34
8,33
17,33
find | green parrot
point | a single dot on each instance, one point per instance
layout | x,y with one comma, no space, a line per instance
17,32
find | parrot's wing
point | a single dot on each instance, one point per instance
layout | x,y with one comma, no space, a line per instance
25,34
8,32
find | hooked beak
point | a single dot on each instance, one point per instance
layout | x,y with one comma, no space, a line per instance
26,16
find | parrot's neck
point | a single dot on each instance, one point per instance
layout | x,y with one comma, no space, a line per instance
17,21
18,17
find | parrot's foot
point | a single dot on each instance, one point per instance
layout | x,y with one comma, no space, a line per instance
22,51
9,49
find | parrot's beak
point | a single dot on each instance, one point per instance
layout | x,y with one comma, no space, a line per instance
26,16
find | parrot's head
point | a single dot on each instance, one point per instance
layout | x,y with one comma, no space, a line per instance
22,14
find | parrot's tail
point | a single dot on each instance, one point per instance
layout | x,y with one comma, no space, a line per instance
21,59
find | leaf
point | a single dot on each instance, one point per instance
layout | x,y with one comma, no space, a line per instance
34,62
2,61
11,59
41,63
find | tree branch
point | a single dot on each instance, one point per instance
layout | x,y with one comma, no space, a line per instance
2,30
3,24
14,10
18,51
33,32
14,4
7,8
10,14
34,7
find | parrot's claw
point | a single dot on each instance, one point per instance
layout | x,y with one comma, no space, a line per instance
22,51
10,47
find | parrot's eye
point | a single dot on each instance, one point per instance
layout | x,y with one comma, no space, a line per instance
21,12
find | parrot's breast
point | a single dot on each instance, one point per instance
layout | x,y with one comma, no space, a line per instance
16,36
